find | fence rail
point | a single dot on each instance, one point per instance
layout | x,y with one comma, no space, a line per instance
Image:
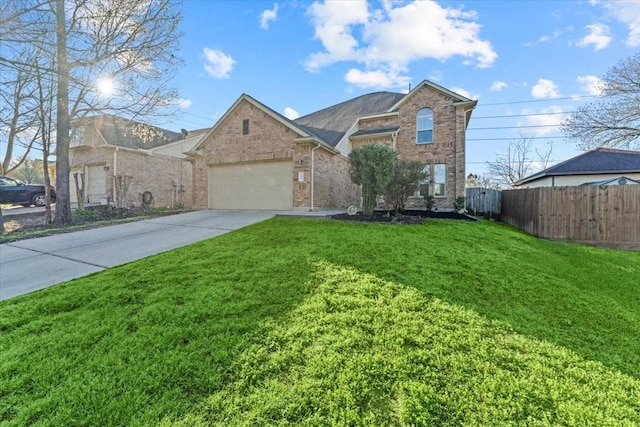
483,201
604,215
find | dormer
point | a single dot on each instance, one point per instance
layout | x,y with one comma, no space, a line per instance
80,137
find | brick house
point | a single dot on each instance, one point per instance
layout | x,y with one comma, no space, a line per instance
255,158
106,148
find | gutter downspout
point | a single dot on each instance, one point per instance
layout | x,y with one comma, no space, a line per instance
312,173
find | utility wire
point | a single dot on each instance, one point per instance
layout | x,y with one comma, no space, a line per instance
539,100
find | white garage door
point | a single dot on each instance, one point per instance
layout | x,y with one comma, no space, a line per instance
96,184
267,185
73,193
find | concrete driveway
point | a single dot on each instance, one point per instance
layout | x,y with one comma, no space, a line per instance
29,265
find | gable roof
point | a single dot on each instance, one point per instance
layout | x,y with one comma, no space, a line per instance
121,132
329,125
303,132
616,181
340,117
457,98
597,161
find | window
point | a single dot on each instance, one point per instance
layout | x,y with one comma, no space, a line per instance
424,126
245,127
77,134
440,180
421,188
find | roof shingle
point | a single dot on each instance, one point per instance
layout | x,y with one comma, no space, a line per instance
597,161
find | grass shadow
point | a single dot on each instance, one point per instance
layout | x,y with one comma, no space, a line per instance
140,342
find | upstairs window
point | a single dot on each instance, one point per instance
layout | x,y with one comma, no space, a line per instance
424,126
245,127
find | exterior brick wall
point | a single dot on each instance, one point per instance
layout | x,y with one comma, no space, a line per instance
447,146
154,173
333,187
268,139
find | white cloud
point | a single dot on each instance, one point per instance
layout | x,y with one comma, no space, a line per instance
598,37
549,120
387,39
627,13
332,22
592,85
290,113
217,63
545,89
464,92
497,86
435,76
554,35
267,16
184,103
379,78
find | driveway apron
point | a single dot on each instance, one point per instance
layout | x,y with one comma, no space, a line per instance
30,265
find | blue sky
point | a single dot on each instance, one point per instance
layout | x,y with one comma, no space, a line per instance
528,63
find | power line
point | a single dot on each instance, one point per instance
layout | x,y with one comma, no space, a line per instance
516,127
511,139
524,115
539,100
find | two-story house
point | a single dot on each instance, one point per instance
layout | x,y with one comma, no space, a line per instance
111,151
255,158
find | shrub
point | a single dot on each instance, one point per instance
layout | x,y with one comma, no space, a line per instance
371,166
459,204
407,173
430,200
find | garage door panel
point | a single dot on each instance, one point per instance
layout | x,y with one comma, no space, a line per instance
97,183
267,185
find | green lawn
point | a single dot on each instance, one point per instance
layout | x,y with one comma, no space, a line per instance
304,322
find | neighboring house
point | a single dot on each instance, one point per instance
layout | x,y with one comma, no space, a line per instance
621,180
255,158
107,148
601,166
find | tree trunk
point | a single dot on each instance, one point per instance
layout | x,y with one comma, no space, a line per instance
63,202
369,197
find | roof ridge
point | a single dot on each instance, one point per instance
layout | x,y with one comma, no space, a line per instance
348,101
615,150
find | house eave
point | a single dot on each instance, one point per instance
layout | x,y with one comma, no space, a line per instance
575,173
316,141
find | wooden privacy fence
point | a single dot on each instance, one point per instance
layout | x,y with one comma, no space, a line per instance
483,201
602,215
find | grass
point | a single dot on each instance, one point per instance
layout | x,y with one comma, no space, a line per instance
301,322
14,236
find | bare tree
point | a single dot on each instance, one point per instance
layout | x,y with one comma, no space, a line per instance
30,171
521,159
480,181
613,121
18,122
129,46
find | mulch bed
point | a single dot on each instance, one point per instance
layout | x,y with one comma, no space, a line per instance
37,220
409,216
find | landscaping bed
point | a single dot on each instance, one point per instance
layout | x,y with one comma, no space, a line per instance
404,216
34,224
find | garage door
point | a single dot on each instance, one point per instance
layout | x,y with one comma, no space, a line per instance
267,185
96,184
